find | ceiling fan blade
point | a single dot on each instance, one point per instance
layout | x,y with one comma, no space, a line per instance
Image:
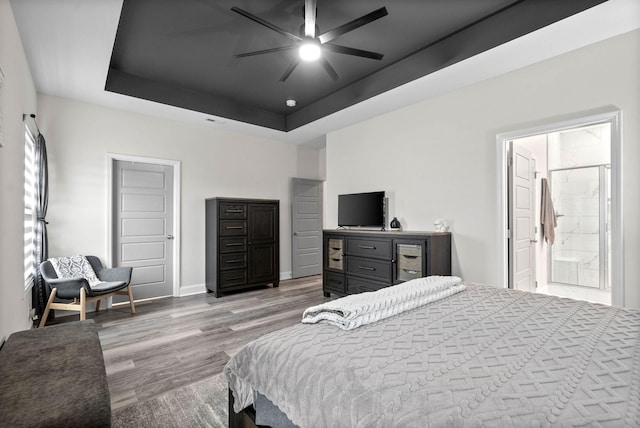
352,51
332,72
289,69
352,25
310,18
265,51
265,23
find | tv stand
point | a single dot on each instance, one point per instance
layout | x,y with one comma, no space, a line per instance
355,261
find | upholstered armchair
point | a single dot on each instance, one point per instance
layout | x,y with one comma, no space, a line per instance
78,289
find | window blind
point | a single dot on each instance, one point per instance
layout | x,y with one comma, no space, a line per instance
29,208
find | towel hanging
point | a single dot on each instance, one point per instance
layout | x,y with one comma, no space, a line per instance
547,215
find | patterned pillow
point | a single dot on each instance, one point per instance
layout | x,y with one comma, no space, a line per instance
75,267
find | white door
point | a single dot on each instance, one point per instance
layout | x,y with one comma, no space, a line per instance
306,227
522,268
143,225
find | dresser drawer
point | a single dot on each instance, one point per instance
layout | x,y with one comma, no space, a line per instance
232,278
233,210
233,227
233,261
357,285
369,248
375,269
233,245
333,282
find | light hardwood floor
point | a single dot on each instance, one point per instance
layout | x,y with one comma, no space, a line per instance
172,342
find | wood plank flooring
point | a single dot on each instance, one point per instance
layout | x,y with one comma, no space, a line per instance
173,342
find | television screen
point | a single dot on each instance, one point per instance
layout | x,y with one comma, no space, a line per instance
361,209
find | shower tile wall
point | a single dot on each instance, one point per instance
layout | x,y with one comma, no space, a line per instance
575,253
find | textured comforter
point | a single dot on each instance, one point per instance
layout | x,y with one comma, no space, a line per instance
482,357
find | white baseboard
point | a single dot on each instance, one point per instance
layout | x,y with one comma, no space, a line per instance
285,275
189,290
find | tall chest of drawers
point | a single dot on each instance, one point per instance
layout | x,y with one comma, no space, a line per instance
242,243
358,261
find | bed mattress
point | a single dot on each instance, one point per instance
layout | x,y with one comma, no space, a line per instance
482,357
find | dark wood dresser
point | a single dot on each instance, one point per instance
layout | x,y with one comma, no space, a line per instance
357,261
242,243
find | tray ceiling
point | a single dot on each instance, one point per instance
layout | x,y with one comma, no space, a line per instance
182,53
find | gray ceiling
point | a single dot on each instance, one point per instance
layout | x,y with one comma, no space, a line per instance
182,53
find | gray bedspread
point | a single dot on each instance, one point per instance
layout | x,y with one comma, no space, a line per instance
483,357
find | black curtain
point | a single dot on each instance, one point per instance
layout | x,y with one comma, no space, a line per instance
40,291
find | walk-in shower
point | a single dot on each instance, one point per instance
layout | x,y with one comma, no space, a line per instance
580,180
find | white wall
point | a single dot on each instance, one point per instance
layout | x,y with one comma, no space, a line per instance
18,97
214,162
438,158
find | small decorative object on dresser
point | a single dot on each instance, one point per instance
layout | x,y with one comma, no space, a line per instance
441,225
395,224
358,261
242,243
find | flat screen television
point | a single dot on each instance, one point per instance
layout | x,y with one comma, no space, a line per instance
361,209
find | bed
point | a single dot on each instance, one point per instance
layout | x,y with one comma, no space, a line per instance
484,356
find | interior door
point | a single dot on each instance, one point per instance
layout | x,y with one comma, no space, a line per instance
143,225
306,227
521,219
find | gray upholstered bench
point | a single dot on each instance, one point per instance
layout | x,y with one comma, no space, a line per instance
54,377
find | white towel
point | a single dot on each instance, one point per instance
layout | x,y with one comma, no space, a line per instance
359,309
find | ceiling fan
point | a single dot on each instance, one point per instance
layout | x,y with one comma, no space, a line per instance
310,44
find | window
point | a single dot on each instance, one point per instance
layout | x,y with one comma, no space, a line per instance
29,208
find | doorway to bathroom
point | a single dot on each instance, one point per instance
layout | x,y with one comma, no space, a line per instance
577,166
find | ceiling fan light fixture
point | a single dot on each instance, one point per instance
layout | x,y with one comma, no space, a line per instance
310,50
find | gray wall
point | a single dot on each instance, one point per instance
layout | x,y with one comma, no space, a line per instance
438,158
18,97
214,162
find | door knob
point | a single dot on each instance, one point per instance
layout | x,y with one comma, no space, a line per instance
169,236
533,241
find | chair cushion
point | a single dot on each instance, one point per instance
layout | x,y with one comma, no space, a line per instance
107,287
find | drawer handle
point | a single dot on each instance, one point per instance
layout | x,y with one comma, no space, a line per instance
235,278
366,247
337,260
406,256
336,248
234,211
233,245
367,268
233,261
411,271
233,227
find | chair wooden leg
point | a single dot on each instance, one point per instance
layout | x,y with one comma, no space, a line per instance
130,292
83,304
98,305
47,308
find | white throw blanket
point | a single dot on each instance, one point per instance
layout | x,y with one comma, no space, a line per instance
75,267
359,309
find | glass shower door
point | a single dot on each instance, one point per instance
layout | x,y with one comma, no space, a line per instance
580,253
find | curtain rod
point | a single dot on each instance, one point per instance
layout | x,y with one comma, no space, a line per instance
32,116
